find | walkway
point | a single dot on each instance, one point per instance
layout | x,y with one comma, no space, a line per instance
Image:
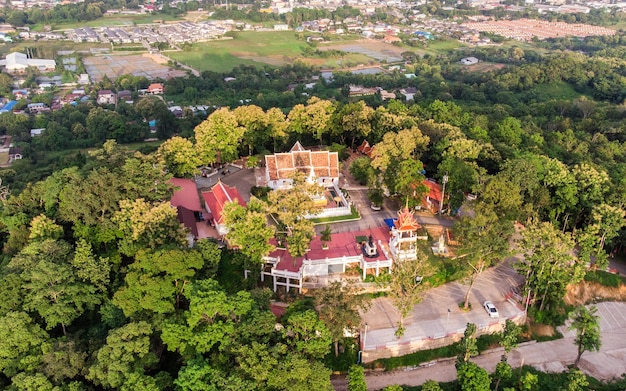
552,356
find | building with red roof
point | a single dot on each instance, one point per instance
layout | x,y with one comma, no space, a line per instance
187,202
434,197
321,166
215,200
344,249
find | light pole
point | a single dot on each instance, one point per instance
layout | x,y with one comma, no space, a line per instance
444,180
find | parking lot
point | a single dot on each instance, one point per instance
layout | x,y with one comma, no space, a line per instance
431,319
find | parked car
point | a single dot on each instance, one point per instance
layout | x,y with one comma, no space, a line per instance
491,309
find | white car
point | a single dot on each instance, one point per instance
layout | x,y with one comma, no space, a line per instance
491,309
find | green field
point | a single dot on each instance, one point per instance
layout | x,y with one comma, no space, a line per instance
112,20
247,48
558,91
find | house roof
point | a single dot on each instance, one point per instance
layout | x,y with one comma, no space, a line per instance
343,243
219,196
434,189
186,196
317,163
105,92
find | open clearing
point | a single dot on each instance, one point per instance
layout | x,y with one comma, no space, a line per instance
374,49
138,65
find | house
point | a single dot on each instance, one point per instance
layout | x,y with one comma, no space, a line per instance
320,166
20,94
14,154
384,95
409,93
187,203
365,148
361,91
83,79
281,27
8,106
36,108
125,96
214,202
433,199
18,62
156,89
469,61
36,132
391,39
106,97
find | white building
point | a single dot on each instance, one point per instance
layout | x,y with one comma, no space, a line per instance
18,62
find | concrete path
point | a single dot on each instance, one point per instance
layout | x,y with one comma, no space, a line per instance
552,356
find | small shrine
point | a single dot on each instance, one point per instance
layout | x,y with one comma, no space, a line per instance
369,248
404,236
440,246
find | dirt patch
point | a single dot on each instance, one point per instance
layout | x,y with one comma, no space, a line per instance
541,330
276,60
484,67
159,59
587,292
371,48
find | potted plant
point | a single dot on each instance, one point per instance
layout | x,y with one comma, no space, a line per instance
376,198
326,237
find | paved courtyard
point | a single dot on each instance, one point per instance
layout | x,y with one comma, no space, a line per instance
431,319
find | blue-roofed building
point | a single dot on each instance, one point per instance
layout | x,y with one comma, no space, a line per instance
8,106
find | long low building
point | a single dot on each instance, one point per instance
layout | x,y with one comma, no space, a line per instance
18,63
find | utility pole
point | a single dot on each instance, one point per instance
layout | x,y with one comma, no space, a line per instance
444,180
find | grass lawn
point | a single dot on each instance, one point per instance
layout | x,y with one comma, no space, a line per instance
246,47
558,91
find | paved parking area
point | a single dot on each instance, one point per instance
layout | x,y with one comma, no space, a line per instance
431,318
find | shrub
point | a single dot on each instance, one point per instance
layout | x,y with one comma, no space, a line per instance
604,278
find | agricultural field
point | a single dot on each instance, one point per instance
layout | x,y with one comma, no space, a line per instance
112,21
246,48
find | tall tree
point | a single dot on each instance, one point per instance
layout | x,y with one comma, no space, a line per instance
180,156
407,286
290,208
20,343
587,326
156,281
468,347
255,122
126,356
248,228
339,305
146,225
218,137
314,118
484,242
548,264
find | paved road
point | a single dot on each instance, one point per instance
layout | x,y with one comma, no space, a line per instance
553,356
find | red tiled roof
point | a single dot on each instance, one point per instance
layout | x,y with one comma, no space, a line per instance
186,196
219,196
434,190
322,163
406,221
343,243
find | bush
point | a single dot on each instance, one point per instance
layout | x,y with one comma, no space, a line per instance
604,278
342,151
356,379
260,192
